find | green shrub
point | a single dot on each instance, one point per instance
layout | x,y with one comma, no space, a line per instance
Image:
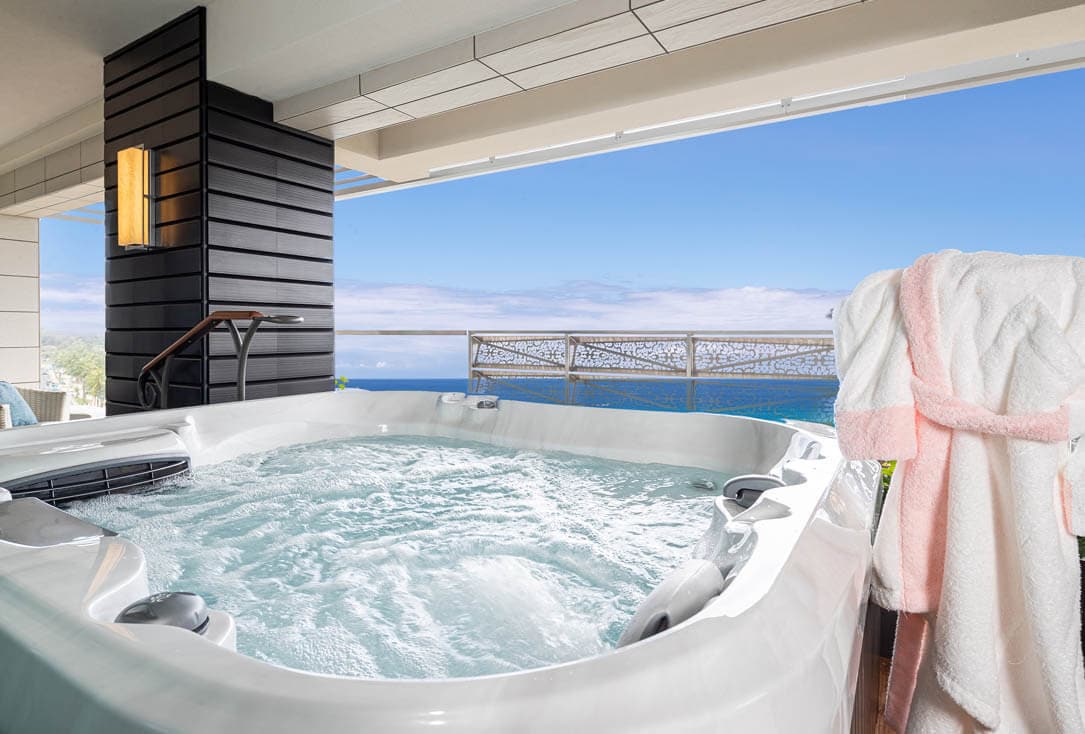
887,474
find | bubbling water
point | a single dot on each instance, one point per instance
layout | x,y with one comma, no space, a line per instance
408,557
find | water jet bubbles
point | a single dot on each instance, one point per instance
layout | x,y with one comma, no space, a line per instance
407,557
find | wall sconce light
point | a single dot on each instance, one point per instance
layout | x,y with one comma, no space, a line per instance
135,198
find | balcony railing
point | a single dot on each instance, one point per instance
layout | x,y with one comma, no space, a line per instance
765,373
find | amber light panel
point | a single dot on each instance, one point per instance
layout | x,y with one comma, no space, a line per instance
134,197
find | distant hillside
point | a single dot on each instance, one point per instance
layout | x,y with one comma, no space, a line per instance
75,364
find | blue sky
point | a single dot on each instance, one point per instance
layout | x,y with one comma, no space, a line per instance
759,228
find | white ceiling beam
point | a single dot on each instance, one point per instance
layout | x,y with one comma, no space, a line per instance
588,37
851,46
547,24
354,179
740,20
576,39
80,124
77,218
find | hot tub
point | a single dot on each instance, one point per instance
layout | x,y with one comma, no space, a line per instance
777,650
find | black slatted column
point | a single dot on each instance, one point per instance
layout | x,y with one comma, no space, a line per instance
244,222
269,246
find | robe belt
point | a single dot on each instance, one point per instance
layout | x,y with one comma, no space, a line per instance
1047,427
952,412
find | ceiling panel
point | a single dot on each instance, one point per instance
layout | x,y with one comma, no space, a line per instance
64,181
414,67
741,20
541,25
362,124
496,87
601,58
84,189
340,91
435,83
585,38
338,112
667,13
29,192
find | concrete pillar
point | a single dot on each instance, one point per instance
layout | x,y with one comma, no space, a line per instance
20,333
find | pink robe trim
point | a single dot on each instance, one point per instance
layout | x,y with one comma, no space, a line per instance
882,432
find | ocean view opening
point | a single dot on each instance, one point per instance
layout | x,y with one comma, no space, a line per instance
621,258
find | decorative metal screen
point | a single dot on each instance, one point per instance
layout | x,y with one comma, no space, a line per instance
764,374
767,374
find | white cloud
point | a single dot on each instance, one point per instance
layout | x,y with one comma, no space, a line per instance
72,304
580,306
571,306
75,305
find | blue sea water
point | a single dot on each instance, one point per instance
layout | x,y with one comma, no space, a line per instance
808,400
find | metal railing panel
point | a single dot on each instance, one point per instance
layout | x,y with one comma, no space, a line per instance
763,373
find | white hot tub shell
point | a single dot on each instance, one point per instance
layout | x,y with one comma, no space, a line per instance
777,651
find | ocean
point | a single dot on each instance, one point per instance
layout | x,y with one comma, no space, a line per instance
808,400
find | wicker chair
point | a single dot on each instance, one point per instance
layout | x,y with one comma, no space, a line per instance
48,405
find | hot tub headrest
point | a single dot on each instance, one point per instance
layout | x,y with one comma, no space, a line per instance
747,488
683,593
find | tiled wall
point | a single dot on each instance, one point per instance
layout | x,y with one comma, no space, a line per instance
20,338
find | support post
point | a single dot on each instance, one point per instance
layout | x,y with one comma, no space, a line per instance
471,385
691,371
569,346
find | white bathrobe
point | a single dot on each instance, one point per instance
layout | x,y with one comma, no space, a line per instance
970,370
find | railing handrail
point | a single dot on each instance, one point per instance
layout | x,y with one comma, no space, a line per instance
584,332
156,373
189,337
613,360
402,332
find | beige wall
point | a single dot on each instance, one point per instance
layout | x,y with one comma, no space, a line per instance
20,335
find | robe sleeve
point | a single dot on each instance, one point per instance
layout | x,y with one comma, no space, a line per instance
875,410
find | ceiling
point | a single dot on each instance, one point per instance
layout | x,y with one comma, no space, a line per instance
415,91
298,46
575,40
51,50
51,53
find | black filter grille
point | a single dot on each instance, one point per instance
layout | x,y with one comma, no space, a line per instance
93,480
